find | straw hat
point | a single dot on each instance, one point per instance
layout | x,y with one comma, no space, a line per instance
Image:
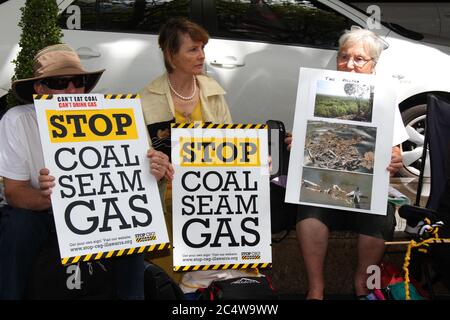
53,61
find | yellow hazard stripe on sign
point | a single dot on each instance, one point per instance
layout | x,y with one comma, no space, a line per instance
208,125
121,96
106,96
116,253
223,267
42,96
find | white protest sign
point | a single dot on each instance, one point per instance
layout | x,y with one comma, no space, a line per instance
106,202
342,141
221,202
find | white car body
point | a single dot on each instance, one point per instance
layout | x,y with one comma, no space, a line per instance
263,87
260,78
428,17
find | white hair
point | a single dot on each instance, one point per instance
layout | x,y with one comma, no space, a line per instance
371,41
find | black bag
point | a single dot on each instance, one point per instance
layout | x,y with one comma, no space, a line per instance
50,280
242,288
158,285
283,215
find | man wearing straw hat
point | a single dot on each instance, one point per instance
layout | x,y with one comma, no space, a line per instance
27,221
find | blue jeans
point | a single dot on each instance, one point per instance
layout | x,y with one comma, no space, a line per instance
22,235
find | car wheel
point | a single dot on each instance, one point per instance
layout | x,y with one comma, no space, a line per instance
412,149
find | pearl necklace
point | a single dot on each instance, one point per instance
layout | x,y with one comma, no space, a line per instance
194,89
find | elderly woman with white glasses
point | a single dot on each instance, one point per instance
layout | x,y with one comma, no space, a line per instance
359,51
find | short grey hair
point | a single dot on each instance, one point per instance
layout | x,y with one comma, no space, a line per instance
371,41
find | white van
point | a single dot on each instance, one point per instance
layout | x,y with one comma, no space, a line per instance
255,51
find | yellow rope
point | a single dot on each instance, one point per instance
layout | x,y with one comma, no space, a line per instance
413,244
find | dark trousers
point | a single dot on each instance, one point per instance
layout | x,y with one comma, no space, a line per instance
22,235
129,275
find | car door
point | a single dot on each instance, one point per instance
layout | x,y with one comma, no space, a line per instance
120,36
257,48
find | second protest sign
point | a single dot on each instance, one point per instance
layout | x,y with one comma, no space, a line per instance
221,202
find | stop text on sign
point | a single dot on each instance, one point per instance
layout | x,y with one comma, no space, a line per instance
212,151
91,125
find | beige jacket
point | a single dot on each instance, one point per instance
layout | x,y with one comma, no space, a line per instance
157,103
157,106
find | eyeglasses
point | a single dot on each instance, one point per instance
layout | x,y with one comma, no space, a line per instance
61,83
358,61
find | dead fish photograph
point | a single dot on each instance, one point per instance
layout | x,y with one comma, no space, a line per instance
336,188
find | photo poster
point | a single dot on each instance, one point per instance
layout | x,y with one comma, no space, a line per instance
221,199
342,141
106,202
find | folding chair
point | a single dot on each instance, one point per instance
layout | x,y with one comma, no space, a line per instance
437,143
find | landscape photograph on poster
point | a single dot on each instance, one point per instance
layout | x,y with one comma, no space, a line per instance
344,100
336,188
339,146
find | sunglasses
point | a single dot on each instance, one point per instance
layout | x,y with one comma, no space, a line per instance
61,83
